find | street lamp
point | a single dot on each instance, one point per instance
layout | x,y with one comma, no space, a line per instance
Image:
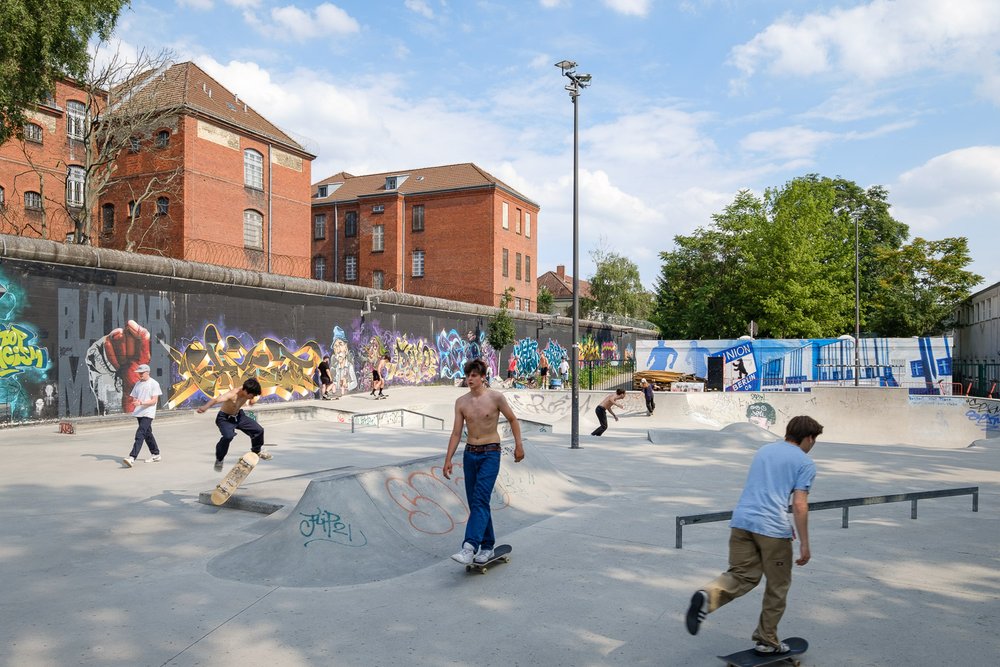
857,302
576,83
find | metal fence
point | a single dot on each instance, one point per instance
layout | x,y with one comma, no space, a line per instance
607,375
976,379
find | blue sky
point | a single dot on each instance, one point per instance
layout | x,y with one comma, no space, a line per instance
692,100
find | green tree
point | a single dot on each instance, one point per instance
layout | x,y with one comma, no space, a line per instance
786,260
616,288
40,41
500,331
543,300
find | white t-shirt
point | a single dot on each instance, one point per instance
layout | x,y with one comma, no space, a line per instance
143,391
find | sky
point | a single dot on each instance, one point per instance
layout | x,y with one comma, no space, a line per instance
691,101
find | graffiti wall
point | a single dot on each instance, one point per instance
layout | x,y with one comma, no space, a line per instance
72,337
923,365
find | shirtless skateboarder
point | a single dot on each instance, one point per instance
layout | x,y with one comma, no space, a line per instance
231,418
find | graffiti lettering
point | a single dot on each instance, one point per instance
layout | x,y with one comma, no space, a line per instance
990,422
331,529
526,350
426,496
412,362
18,351
215,365
980,406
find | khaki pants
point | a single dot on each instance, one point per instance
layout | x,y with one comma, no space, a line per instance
750,557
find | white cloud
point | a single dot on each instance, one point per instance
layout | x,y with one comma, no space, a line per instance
878,40
549,4
630,7
954,194
327,19
244,4
199,5
420,7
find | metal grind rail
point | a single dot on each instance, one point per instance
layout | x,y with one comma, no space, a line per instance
389,418
844,504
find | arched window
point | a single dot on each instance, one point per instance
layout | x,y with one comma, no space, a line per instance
3,199
162,206
134,209
319,268
76,179
33,132
253,229
162,138
108,218
253,169
76,119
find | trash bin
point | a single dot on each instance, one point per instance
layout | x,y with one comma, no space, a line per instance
555,383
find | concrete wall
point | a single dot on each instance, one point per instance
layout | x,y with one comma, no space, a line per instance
75,321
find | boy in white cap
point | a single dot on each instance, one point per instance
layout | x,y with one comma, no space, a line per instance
146,393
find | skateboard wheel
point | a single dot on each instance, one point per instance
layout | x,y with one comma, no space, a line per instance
468,568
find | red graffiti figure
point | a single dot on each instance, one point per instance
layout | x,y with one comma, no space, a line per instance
114,358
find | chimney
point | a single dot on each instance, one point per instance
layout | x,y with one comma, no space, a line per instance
561,271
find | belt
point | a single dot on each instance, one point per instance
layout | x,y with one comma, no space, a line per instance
482,449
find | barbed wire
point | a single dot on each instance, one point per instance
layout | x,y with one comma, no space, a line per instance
239,257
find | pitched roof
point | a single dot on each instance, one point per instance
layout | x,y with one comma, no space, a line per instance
187,86
345,187
561,286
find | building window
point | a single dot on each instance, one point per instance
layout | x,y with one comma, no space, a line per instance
378,238
75,179
108,218
527,304
253,229
253,169
418,218
162,206
504,263
517,266
390,182
517,303
319,268
527,268
76,119
506,216
321,192
33,132
517,222
527,224
319,226
33,201
133,209
418,263
378,279
133,144
351,223
351,267
162,138
3,200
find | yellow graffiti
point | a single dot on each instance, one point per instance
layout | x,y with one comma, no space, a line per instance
17,352
214,366
589,349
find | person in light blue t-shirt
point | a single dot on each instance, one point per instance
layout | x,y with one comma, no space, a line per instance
760,538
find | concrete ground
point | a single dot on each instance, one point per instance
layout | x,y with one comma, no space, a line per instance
104,565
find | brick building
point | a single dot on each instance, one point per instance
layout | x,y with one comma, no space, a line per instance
39,171
561,287
209,180
453,232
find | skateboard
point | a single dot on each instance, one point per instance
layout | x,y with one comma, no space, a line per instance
232,481
750,658
500,553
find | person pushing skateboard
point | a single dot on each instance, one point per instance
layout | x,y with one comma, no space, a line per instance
479,411
760,539
231,418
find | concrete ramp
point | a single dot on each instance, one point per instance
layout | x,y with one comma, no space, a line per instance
392,520
733,435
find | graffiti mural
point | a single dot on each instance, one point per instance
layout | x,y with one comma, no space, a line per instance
103,336
590,349
345,376
526,350
215,364
454,350
24,362
555,353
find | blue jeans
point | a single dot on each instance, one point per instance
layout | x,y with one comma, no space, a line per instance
228,424
144,433
480,472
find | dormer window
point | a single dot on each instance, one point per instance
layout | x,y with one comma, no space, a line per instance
323,189
390,182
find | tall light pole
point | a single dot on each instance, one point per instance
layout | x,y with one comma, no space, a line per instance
576,83
857,302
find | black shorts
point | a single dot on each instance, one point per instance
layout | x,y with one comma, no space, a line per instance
375,376
544,371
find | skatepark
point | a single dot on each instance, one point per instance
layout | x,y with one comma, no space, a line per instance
337,551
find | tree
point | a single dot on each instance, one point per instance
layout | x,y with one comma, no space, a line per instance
786,260
500,332
40,41
543,301
616,288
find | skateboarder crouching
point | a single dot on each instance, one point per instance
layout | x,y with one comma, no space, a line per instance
602,410
232,418
760,539
146,393
479,411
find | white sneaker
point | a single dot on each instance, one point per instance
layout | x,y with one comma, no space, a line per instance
128,461
153,459
465,555
484,556
265,456
767,649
